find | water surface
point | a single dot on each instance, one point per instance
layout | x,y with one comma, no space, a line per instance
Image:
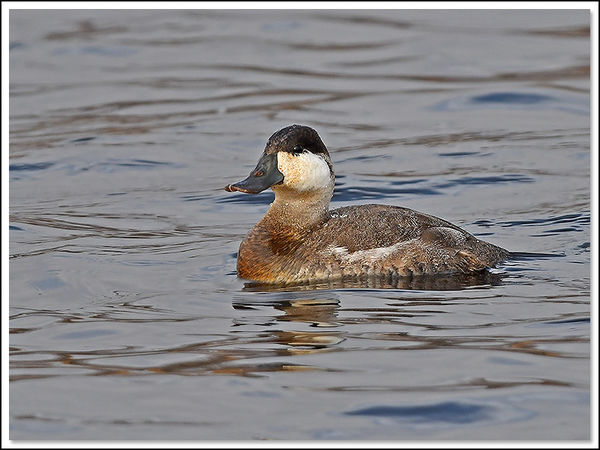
127,319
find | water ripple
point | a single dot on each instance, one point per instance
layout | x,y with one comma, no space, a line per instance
452,412
517,100
582,218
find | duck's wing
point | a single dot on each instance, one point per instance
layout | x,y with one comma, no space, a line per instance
381,230
376,226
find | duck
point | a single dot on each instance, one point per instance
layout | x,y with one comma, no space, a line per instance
301,240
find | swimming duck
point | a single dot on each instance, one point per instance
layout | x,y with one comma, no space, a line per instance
299,239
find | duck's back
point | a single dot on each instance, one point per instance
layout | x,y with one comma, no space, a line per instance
400,241
370,240
376,226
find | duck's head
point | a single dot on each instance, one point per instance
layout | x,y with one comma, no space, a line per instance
295,161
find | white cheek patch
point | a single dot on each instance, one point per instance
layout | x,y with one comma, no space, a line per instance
303,172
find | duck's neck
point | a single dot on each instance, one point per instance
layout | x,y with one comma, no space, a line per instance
298,211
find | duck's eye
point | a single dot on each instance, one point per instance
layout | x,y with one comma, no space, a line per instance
297,149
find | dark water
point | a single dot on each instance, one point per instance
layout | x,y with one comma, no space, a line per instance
127,320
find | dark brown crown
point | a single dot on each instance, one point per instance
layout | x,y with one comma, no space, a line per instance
295,137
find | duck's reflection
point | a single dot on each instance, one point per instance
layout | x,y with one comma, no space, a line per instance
320,309
423,282
317,311
321,313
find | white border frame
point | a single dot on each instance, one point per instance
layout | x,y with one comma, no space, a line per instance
591,6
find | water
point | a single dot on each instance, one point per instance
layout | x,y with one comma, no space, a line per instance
127,320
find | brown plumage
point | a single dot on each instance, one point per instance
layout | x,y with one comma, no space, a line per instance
300,240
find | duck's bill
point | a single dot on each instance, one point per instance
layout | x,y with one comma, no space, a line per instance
265,175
